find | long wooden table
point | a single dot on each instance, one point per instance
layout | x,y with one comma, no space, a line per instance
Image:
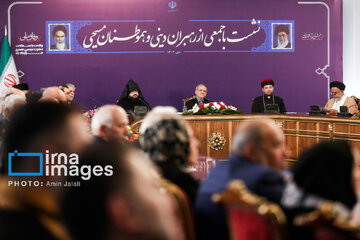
215,132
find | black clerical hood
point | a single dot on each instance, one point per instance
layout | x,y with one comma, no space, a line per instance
131,86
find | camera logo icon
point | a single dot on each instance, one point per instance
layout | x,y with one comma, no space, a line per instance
12,157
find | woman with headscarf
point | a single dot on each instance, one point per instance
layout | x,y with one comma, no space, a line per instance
131,97
328,171
172,146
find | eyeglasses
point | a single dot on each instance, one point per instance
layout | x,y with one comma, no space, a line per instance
334,93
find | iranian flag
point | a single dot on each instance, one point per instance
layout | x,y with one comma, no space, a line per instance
9,76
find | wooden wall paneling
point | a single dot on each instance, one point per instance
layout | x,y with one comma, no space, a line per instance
291,141
221,127
201,131
300,132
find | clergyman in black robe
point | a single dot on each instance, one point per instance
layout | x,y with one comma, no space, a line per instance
259,103
131,97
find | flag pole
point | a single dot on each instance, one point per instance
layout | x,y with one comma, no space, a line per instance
5,30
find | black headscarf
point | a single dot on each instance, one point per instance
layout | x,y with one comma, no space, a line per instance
326,171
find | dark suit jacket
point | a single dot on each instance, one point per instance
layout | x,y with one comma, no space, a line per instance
259,179
190,104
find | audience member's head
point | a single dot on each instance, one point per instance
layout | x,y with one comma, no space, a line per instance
11,103
53,94
168,143
11,91
157,114
45,126
6,93
33,97
110,123
69,90
22,86
329,170
125,203
261,141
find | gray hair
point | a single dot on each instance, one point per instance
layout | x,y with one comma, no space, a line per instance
103,117
70,85
10,100
199,85
250,132
157,114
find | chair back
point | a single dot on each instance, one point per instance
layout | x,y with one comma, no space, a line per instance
250,216
357,100
188,99
183,209
329,223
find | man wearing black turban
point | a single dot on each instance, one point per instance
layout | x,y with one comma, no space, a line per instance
131,97
259,103
340,99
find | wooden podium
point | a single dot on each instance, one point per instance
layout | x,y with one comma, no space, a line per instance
215,132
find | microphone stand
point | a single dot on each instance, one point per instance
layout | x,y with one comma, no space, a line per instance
146,104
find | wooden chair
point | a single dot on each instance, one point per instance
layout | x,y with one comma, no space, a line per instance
250,216
183,209
357,100
329,223
188,99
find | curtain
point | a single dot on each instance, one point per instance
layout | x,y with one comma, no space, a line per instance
351,46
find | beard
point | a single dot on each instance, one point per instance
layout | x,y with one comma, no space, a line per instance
61,46
282,44
134,99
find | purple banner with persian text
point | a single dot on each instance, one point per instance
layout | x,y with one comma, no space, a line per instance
149,36
168,47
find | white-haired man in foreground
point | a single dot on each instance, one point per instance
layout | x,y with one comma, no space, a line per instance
11,103
156,115
110,124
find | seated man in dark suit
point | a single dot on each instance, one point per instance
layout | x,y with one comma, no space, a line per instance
200,92
257,159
